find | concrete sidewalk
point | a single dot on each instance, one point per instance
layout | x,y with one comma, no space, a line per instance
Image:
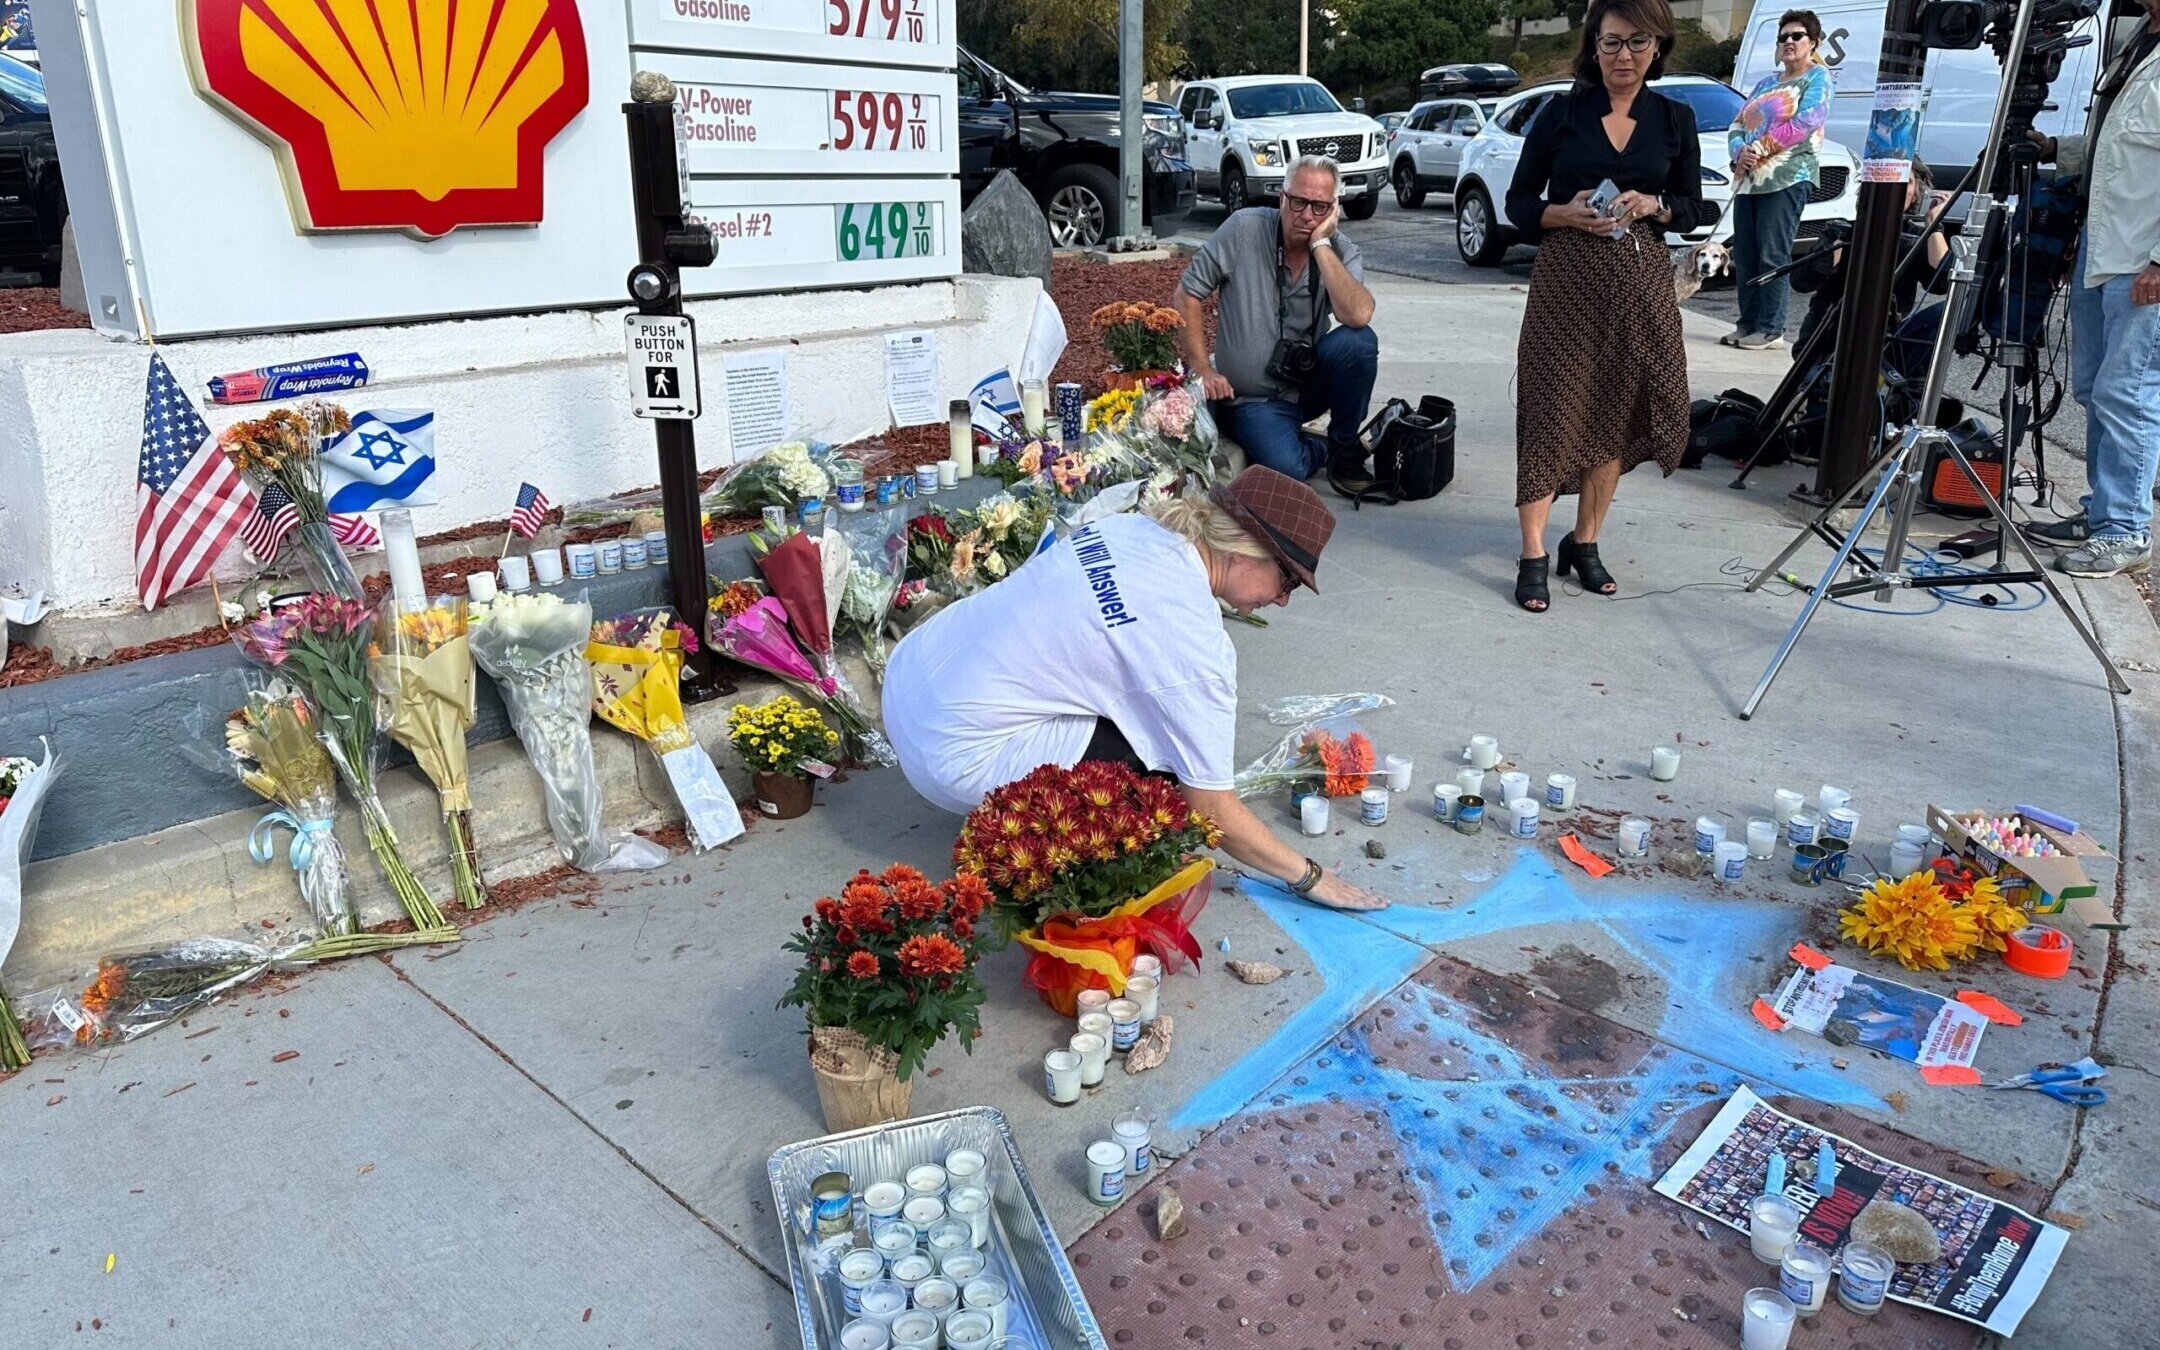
555,1134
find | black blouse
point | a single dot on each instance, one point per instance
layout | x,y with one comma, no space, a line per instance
1566,151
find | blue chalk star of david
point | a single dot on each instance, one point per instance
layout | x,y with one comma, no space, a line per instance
379,448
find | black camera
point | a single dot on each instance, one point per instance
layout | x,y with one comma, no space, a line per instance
1293,361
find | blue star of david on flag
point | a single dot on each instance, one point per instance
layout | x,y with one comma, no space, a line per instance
387,459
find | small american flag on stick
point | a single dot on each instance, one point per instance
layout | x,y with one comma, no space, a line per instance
275,517
189,499
531,511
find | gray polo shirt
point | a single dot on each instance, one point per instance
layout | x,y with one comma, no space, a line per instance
1242,262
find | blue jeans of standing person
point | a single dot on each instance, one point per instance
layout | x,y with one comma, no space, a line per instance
1272,429
1764,224
2115,373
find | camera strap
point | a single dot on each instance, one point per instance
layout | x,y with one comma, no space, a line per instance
1312,292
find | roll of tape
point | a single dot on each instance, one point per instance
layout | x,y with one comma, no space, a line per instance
2038,950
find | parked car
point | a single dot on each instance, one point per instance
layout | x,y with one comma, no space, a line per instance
32,205
1426,154
1244,133
1064,147
1483,232
1481,79
1390,122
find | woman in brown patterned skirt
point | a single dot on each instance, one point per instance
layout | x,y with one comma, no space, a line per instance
1601,373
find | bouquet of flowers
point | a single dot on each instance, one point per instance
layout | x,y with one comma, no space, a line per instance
637,662
422,665
1937,915
877,559
320,644
781,735
1138,335
760,638
1175,428
24,785
911,605
1087,867
1018,460
283,450
799,574
274,742
782,476
728,599
892,961
533,647
1327,753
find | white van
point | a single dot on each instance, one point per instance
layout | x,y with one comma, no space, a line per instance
1960,86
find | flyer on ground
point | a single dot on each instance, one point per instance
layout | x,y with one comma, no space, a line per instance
1897,1019
1995,1257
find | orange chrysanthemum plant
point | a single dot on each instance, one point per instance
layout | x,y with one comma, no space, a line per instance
1340,768
1932,917
893,960
1090,866
1138,336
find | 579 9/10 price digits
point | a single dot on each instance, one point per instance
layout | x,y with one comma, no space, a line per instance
879,20
877,231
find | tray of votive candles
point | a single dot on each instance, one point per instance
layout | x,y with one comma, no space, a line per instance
925,1234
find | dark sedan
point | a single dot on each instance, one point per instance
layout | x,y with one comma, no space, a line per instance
32,206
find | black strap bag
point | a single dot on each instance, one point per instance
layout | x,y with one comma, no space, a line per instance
1413,453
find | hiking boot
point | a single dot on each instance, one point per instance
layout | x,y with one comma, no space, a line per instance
1760,342
2069,530
2106,556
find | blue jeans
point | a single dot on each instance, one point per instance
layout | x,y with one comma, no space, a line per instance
2115,373
1271,429
1764,224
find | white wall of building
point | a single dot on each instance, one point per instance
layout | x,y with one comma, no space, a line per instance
539,397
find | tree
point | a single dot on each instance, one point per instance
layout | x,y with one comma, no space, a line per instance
1068,44
1240,37
1380,44
1516,13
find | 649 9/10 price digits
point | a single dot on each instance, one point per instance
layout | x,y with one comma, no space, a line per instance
876,231
879,20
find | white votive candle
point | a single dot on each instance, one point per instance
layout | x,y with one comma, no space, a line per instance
960,441
882,1201
970,1329
1106,1172
923,1211
990,1294
915,1329
480,587
1091,1001
970,1205
547,566
962,1266
1132,1133
516,573
1313,814
1147,963
1094,1052
1633,839
1787,804
1143,990
1034,403
1470,783
402,552
1061,1076
1124,1024
1099,1024
1828,799
883,1300
1484,752
1664,763
926,1179
1523,817
1804,1277
1728,860
1709,833
1560,791
895,1240
1444,797
1904,859
1761,837
1398,772
1514,786
1772,1223
864,1334
948,474
1766,1320
963,1167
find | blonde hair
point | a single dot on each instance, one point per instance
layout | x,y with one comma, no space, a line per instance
1192,517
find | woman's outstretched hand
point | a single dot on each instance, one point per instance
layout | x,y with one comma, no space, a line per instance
1334,893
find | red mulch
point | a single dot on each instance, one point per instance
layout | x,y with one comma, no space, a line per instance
25,309
1081,287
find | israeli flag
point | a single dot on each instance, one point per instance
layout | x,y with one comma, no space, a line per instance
997,405
385,460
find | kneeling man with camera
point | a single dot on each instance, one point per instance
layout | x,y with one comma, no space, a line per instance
1283,276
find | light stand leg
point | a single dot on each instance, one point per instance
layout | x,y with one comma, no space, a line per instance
1816,526
1891,466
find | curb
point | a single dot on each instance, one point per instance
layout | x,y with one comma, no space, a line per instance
197,878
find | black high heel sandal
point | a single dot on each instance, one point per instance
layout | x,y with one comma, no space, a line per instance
1583,558
1530,585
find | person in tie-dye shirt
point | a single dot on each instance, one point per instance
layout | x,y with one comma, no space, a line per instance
1774,142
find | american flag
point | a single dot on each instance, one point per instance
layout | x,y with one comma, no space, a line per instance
189,499
531,510
275,516
355,532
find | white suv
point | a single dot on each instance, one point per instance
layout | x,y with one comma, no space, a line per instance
1243,134
1483,232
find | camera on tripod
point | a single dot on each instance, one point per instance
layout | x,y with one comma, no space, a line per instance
1962,25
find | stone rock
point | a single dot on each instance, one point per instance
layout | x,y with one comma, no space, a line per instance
1900,1230
1256,972
650,86
1152,1048
1169,1213
1375,849
1838,1031
72,295
1004,234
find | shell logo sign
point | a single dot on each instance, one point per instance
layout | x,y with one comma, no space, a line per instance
417,115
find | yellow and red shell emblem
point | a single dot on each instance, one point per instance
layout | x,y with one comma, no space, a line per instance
418,115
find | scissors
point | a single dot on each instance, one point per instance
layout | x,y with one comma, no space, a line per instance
2071,1083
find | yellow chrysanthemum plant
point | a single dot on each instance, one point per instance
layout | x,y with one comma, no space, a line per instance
781,735
1927,921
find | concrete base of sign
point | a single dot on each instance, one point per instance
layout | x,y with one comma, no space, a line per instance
536,397
71,282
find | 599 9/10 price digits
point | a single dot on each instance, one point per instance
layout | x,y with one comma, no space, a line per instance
878,231
867,120
878,20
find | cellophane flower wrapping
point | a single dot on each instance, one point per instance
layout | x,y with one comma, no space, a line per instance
283,448
422,666
794,570
138,991
1327,750
320,644
1175,428
273,743
783,476
533,647
637,664
877,563
24,786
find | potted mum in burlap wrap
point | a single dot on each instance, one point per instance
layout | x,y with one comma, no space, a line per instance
1091,866
888,971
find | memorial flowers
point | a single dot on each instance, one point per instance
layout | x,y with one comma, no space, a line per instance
422,665
637,664
1138,336
24,784
274,743
320,644
1930,918
282,450
1088,866
783,476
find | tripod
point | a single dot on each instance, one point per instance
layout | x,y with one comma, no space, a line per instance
1900,468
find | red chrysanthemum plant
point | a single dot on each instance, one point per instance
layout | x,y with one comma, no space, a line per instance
892,958
1090,866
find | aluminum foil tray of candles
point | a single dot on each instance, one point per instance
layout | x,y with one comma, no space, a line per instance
904,1161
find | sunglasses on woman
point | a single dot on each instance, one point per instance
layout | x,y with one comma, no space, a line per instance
1795,36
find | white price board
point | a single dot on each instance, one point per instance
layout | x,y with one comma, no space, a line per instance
872,32
661,350
780,235
775,117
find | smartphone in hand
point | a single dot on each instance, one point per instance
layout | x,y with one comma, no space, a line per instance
1605,201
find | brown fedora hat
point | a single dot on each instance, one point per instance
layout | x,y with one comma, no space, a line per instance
1282,513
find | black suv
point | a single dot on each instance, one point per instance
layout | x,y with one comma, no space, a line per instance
1064,147
31,204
